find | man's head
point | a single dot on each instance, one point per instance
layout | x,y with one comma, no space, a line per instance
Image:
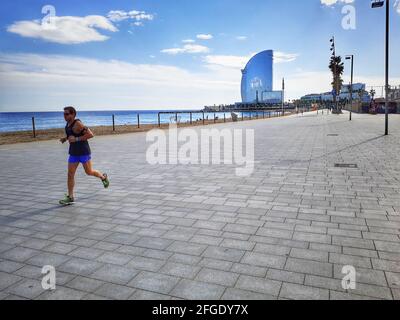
69,113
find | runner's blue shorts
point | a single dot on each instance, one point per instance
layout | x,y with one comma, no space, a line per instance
79,159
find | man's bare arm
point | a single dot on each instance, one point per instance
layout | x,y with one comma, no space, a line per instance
79,127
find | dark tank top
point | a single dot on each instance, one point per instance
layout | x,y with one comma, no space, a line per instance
80,148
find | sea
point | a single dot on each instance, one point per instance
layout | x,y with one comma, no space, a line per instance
22,121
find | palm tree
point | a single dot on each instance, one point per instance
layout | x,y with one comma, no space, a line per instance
337,68
372,94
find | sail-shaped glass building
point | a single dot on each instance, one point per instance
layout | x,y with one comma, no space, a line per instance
257,78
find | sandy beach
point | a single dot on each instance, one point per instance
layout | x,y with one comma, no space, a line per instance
51,134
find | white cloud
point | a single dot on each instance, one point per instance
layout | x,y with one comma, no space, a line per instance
188,48
235,62
282,57
188,41
48,82
66,30
204,36
239,62
241,38
397,5
138,16
330,3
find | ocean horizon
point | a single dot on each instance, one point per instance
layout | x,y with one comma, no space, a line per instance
22,121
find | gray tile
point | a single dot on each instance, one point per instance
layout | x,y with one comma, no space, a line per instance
195,290
115,274
114,291
243,295
29,289
180,270
222,278
80,266
154,282
260,285
300,292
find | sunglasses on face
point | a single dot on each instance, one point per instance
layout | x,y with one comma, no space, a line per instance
66,114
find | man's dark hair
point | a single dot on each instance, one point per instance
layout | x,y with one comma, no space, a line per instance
70,110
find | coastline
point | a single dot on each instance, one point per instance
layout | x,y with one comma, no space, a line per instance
55,134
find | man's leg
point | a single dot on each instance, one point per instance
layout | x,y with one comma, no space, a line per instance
90,172
71,178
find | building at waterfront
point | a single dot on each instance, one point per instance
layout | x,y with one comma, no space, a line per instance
257,80
359,93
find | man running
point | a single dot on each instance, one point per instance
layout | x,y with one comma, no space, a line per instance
79,152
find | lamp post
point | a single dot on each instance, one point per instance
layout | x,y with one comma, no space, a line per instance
379,4
351,57
283,97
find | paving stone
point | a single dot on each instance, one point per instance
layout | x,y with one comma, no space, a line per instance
238,244
114,258
195,290
51,259
250,270
309,267
264,260
227,254
29,289
180,270
350,260
243,295
301,292
10,266
143,295
260,285
61,248
86,253
222,278
62,293
19,254
153,243
80,266
154,282
187,248
84,284
363,275
148,264
285,276
7,280
272,249
201,231
309,254
393,279
115,274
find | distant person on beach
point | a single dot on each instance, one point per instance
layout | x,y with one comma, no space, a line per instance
79,152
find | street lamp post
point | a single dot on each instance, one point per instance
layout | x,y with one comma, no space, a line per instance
379,4
283,97
351,57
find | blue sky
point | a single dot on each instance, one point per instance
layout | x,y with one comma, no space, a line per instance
161,54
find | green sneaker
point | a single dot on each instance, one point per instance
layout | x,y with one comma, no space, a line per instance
106,182
67,201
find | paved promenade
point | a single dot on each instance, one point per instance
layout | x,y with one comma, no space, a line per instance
201,232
